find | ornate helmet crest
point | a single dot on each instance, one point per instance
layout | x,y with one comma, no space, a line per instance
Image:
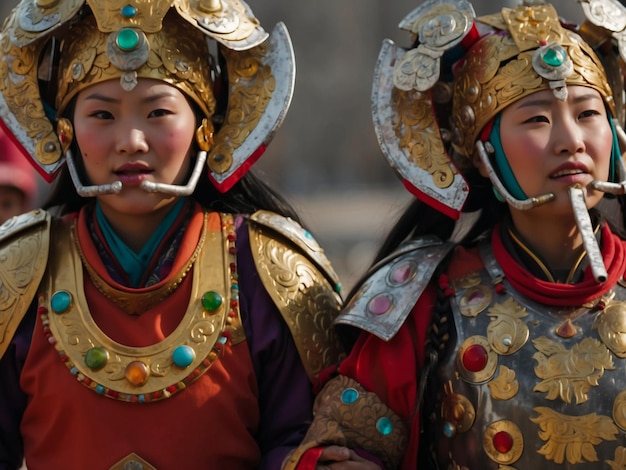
431,101
214,51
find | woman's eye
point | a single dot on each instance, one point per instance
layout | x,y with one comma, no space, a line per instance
589,113
159,113
101,115
537,119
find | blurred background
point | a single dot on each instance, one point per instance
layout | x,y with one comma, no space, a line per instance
325,158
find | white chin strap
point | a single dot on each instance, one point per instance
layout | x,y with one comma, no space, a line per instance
147,186
579,207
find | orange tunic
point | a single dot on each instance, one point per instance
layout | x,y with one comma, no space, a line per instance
222,404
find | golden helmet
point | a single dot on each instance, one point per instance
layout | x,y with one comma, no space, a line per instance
432,101
215,51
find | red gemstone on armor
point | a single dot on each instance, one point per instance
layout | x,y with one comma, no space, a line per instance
87,381
156,395
401,273
380,304
231,236
172,388
502,442
475,358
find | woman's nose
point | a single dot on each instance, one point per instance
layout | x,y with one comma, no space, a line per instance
568,138
131,140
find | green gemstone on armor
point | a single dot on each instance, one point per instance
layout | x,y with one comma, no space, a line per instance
96,358
554,56
127,39
61,301
384,426
128,11
183,356
212,300
349,396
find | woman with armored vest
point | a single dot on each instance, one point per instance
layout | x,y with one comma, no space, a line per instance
166,310
490,332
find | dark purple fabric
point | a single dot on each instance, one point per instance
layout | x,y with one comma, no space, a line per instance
285,393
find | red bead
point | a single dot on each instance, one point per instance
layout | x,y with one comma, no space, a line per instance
475,358
172,389
502,442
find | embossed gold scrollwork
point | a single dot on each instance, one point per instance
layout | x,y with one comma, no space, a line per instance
475,300
457,410
308,304
506,332
620,459
253,85
418,133
109,17
572,437
569,374
619,410
611,326
505,386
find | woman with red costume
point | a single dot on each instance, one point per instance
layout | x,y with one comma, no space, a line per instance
490,328
167,310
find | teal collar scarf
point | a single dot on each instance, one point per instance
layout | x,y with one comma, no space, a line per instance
135,264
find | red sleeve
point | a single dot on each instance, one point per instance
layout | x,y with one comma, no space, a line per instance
391,368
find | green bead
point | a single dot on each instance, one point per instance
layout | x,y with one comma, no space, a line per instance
212,301
96,358
127,39
554,56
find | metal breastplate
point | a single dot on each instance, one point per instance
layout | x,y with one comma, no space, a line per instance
528,385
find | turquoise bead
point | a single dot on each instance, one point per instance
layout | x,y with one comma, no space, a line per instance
128,11
449,430
183,356
349,396
61,301
99,389
96,358
127,39
212,301
384,426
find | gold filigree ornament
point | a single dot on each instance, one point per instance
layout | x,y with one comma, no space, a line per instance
611,326
506,332
620,459
52,50
569,374
475,300
505,386
155,372
572,437
457,412
619,410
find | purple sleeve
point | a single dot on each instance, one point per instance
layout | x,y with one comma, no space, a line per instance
285,392
12,400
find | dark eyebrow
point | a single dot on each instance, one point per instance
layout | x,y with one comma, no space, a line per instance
108,99
547,101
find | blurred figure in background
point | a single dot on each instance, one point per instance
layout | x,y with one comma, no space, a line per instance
18,187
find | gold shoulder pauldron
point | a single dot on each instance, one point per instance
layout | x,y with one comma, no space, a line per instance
301,282
24,244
